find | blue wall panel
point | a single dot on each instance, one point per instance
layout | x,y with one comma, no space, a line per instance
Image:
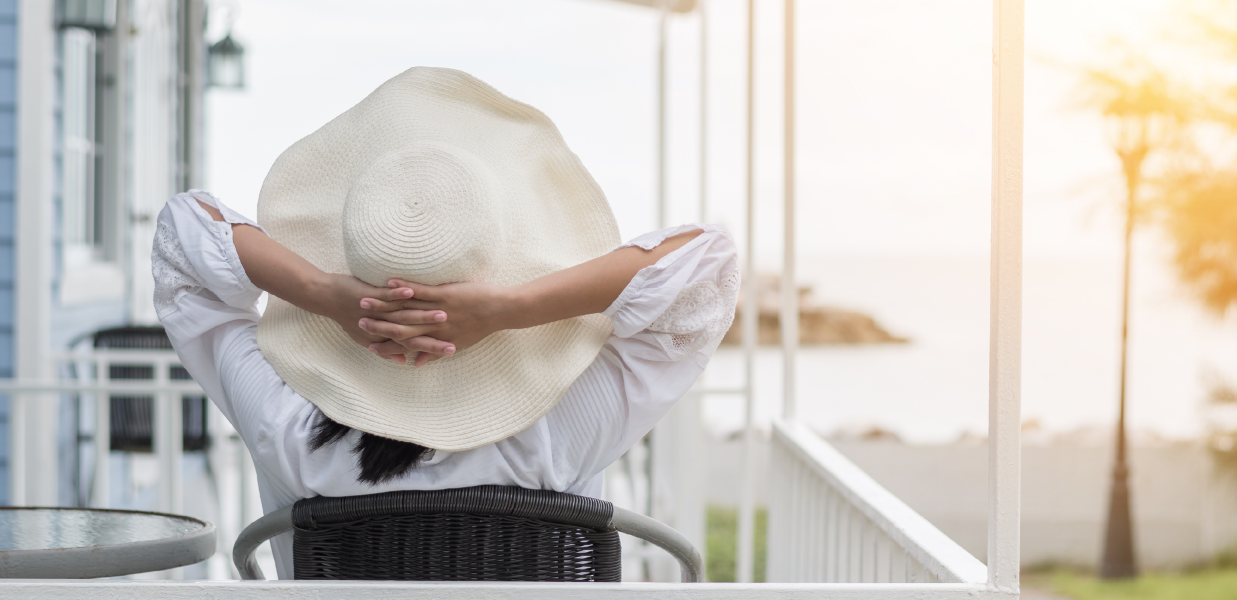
8,142
8,85
7,171
8,40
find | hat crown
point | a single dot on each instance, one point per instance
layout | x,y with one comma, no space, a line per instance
435,177
425,213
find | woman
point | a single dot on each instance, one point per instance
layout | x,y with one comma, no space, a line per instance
446,310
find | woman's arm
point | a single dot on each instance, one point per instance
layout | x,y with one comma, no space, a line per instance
283,273
586,288
478,309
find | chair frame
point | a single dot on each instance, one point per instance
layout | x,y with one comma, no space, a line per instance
691,565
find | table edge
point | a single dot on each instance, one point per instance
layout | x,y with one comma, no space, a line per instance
83,562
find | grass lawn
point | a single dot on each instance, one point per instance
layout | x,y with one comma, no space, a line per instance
722,541
1210,584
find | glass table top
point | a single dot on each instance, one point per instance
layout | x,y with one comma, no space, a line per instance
46,528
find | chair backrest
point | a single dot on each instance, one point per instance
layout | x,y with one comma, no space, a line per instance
483,533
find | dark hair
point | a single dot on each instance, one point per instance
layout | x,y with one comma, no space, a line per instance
381,459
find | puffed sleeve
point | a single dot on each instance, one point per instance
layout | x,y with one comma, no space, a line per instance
202,295
681,306
193,252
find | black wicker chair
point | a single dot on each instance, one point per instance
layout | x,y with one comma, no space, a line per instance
483,533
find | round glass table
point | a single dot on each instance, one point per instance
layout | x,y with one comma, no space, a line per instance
75,543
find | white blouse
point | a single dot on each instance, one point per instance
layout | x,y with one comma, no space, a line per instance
667,323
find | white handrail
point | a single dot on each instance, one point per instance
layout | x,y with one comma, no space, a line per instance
858,493
112,387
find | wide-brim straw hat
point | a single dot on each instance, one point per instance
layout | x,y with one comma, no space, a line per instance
436,177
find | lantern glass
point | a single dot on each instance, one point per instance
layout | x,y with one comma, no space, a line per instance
226,64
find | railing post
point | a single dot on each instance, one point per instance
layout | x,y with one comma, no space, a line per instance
169,441
101,488
17,449
1005,353
777,505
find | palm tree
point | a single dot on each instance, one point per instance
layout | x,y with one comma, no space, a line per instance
1198,200
1200,214
1135,101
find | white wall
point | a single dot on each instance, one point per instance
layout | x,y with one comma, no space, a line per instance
1183,513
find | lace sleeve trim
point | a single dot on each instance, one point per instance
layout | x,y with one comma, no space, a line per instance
699,317
174,276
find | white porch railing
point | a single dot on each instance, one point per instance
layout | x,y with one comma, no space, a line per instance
829,522
90,370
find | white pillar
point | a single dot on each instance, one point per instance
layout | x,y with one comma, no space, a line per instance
747,510
704,112
662,151
790,289
33,426
1005,350
663,488
676,481
248,486
688,472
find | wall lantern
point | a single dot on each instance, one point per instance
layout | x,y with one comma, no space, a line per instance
97,15
226,64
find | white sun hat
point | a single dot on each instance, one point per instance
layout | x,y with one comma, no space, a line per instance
436,177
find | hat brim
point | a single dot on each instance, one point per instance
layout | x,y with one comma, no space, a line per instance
510,379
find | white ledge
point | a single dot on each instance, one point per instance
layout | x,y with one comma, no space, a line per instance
366,590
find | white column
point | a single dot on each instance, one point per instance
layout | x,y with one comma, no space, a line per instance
1005,351
747,511
676,481
688,472
704,112
662,152
33,465
248,485
790,290
697,530
663,489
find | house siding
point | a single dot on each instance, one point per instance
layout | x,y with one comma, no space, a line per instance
8,145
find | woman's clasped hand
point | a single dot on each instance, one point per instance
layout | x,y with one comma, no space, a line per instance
427,322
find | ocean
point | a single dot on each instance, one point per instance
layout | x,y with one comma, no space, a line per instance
935,388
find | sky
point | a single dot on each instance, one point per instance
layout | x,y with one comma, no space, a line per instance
894,146
894,107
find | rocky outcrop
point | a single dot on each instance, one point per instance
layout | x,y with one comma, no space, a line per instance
817,324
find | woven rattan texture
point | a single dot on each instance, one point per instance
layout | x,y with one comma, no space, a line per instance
484,533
